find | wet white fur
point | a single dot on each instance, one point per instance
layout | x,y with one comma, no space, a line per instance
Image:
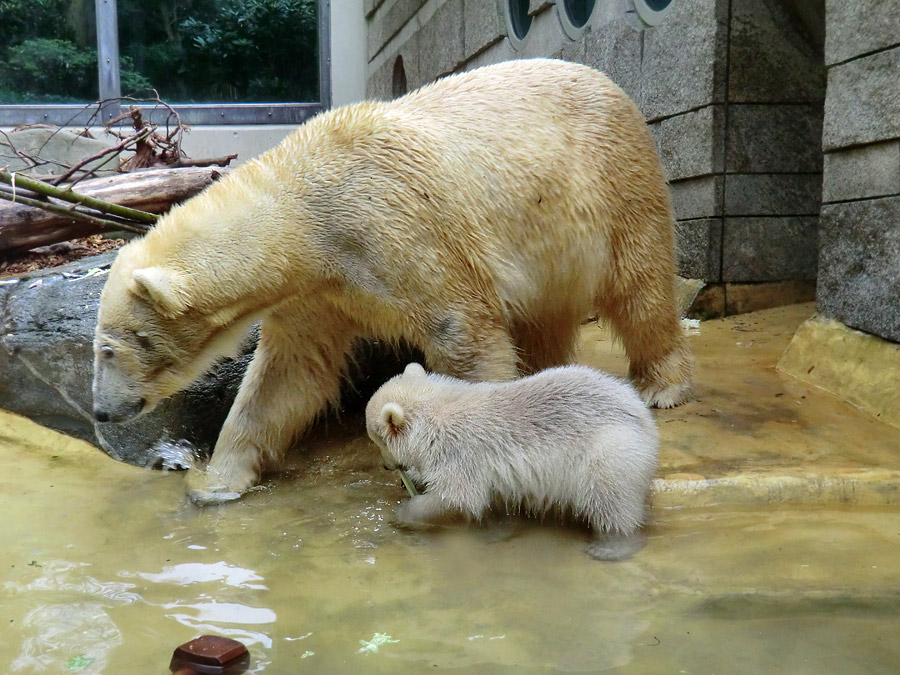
568,438
480,219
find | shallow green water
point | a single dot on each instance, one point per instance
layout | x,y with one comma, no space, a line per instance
106,568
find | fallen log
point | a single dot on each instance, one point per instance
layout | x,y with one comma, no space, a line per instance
44,190
155,191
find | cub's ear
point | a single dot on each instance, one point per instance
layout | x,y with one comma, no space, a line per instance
164,288
393,418
414,369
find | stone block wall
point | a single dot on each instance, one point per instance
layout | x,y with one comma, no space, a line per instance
859,257
773,128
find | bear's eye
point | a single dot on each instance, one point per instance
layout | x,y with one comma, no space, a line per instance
107,352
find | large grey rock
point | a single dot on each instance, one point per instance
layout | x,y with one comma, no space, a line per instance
441,41
869,171
859,265
698,245
772,58
773,194
47,325
776,138
691,144
863,101
684,59
858,27
769,249
46,357
697,197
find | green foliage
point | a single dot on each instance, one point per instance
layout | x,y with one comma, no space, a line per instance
224,50
51,70
36,39
21,20
189,50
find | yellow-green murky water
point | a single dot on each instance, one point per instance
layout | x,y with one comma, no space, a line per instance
106,568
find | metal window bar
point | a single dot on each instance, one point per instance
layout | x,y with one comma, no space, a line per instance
193,114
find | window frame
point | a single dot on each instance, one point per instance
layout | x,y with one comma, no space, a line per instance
194,114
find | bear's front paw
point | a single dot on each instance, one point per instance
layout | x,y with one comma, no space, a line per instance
202,497
208,486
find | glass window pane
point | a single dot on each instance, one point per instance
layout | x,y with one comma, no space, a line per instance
48,51
220,51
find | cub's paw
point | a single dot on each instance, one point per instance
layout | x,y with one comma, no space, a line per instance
419,512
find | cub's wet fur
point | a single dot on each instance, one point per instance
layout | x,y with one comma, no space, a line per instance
570,439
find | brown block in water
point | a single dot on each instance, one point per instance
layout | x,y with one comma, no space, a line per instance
210,655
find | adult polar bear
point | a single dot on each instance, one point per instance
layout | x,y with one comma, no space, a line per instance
480,218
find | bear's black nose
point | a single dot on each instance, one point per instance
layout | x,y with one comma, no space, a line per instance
100,415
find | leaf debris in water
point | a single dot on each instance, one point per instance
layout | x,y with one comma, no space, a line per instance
371,646
79,662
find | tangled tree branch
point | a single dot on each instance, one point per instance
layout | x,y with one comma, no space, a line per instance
69,195
155,145
74,213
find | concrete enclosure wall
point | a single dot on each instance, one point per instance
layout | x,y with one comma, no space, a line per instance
859,259
733,91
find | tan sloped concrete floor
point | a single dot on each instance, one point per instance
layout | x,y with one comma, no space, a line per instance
755,435
109,567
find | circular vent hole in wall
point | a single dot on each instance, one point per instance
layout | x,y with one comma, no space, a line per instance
574,16
518,21
643,14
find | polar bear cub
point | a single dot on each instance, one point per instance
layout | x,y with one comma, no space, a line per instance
569,439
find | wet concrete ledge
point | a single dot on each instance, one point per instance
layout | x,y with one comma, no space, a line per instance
873,487
860,368
754,434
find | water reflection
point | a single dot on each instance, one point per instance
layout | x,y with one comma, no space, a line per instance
65,576
66,637
75,635
225,618
189,573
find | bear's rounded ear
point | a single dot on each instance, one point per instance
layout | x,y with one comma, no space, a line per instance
414,369
393,418
162,287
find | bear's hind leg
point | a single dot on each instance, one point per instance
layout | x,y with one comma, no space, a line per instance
476,348
547,344
293,376
644,317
